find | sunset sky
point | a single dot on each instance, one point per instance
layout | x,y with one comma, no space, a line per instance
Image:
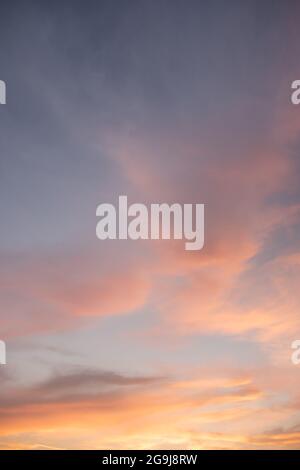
142,344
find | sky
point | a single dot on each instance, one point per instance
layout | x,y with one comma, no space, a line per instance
123,344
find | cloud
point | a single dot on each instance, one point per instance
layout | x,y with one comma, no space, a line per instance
98,400
53,292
